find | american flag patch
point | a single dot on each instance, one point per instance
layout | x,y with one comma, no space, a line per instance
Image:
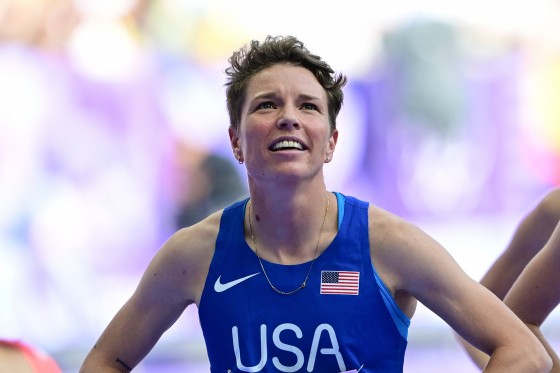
340,282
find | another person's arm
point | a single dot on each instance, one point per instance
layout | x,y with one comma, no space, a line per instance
536,292
529,238
173,280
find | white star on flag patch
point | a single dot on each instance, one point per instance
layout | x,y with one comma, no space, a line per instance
340,282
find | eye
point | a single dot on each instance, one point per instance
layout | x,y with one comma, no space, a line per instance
266,105
308,106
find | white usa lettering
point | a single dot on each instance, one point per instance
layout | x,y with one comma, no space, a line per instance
278,343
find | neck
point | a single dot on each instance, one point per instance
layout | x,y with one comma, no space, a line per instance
292,232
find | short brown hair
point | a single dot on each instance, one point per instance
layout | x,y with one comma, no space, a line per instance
257,56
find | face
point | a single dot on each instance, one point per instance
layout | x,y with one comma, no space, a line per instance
284,129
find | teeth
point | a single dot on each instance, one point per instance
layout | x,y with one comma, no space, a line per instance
287,144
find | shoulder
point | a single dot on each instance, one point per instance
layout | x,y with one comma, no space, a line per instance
402,252
187,255
18,356
549,207
387,228
392,238
197,238
194,244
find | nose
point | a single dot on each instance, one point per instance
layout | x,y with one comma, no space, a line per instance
288,118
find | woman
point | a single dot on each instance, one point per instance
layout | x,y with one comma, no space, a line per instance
297,278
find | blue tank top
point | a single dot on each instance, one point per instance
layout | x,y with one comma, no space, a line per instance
343,320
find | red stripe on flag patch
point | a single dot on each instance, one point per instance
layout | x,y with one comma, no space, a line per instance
340,282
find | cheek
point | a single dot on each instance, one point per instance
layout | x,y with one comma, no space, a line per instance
255,130
249,141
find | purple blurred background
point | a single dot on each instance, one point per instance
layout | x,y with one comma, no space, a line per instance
113,134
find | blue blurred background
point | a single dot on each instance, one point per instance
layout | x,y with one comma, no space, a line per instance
113,134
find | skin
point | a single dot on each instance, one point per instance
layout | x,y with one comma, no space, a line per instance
526,274
13,360
18,357
529,238
535,293
285,102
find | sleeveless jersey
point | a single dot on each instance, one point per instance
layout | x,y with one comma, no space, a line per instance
343,320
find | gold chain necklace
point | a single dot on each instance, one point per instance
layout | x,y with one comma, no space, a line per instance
304,283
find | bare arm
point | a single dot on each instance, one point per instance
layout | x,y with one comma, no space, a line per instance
536,293
173,280
529,237
410,261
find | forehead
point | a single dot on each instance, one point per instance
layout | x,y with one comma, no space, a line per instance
285,79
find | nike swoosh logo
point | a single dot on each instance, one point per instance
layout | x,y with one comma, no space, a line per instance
219,287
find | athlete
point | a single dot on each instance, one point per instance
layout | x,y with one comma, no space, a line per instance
296,278
526,274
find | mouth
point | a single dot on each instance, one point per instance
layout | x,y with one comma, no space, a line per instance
287,145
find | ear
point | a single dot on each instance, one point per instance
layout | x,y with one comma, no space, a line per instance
331,146
235,146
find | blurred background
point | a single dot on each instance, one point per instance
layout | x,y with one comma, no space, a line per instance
113,134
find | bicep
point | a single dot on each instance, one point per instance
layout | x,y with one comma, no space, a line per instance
430,274
160,298
131,334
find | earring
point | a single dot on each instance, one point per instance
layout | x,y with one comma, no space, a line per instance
328,159
239,158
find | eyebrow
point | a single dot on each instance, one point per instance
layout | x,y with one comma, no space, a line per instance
271,95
